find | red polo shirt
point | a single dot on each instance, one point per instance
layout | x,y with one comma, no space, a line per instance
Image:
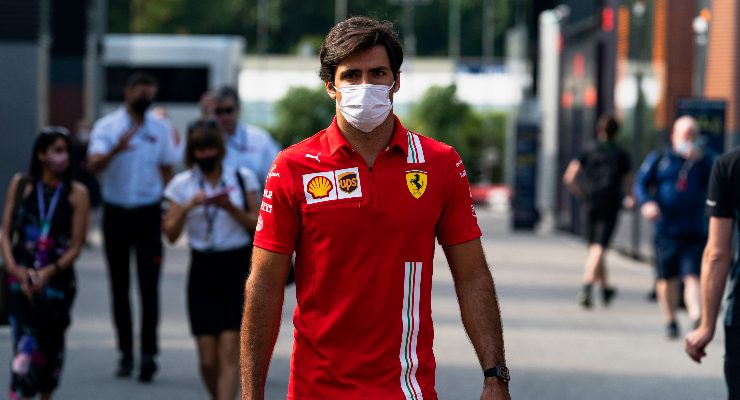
364,242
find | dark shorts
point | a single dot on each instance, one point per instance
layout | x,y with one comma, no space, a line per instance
732,361
216,290
679,256
600,225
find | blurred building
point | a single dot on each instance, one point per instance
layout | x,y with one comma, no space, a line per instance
48,71
647,61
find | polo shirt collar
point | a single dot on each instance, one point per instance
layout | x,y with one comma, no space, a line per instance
337,141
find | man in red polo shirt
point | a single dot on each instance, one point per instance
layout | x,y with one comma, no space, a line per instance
361,203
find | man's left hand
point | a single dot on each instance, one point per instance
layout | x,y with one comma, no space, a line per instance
495,389
697,341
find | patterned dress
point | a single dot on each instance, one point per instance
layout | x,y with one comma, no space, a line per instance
39,324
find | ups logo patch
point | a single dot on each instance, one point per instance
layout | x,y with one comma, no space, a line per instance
347,182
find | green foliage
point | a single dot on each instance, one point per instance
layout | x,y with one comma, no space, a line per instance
441,115
289,21
301,113
149,15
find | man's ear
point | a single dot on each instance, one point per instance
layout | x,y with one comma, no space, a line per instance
330,90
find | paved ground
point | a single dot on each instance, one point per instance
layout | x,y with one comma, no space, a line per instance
555,350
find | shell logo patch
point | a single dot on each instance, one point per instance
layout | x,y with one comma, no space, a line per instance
416,181
319,187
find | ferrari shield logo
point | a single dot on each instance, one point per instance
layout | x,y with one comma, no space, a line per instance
416,181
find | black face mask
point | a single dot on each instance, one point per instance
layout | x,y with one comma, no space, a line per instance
140,105
207,164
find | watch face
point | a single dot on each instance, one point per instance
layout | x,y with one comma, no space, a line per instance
503,373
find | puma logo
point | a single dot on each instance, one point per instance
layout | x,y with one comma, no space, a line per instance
315,157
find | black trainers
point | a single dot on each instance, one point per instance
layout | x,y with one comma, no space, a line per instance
608,294
147,370
584,298
671,330
125,367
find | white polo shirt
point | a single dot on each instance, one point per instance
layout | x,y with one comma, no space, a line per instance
132,179
252,147
226,233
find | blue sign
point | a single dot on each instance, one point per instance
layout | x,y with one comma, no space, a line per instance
524,206
710,115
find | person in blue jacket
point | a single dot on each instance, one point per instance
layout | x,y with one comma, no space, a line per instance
671,188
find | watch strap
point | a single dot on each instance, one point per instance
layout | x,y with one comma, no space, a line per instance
499,371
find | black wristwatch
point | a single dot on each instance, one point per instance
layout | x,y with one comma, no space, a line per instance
499,371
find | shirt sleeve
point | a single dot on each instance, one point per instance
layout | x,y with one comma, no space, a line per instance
278,224
646,177
100,141
174,191
169,153
719,201
458,223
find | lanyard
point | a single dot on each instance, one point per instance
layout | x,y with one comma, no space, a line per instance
210,210
682,182
44,214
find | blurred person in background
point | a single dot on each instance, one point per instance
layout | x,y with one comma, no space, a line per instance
723,207
161,114
671,188
207,105
217,205
599,177
44,226
246,145
133,151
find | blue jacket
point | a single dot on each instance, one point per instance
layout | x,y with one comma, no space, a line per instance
681,211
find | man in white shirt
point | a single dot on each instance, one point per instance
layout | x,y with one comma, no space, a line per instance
133,152
246,145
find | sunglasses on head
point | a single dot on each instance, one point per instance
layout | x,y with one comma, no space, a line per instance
55,130
224,110
202,123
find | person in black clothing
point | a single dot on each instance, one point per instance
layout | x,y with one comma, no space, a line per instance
44,226
133,153
723,208
598,177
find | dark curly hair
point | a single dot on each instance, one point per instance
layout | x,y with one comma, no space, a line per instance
355,35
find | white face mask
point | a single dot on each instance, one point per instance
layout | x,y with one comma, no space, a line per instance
365,106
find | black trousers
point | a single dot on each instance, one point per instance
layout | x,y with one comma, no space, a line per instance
732,361
137,229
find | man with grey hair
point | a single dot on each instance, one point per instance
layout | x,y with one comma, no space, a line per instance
246,145
671,188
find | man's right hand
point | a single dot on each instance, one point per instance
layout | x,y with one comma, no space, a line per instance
650,211
123,142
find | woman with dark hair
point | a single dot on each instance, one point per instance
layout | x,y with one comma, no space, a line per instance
44,226
217,204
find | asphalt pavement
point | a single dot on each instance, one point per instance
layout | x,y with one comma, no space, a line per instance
554,349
